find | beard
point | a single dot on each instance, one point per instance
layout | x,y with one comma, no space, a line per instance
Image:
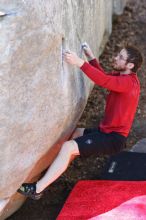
118,68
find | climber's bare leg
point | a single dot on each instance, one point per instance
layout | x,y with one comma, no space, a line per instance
68,152
3,203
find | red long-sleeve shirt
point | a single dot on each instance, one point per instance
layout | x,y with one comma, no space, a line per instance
122,100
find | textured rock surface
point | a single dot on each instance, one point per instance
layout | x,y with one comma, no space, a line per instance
41,98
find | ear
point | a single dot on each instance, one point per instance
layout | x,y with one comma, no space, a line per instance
130,65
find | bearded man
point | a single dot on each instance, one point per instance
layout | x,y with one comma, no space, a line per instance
111,134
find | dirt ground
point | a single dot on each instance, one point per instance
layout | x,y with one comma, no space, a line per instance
128,28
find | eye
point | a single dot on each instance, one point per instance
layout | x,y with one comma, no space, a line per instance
121,57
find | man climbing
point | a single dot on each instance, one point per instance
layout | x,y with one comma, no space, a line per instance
110,136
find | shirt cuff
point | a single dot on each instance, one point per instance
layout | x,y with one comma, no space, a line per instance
84,66
93,62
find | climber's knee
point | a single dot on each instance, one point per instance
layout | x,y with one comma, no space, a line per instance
70,148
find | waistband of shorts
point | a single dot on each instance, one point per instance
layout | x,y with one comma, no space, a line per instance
115,133
119,135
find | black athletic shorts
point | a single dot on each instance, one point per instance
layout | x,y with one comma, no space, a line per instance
97,143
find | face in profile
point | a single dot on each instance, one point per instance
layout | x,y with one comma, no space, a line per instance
120,61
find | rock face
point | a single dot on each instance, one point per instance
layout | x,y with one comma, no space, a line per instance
42,98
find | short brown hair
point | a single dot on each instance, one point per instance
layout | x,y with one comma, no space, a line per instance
134,56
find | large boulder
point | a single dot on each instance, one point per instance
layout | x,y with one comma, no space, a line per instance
42,98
